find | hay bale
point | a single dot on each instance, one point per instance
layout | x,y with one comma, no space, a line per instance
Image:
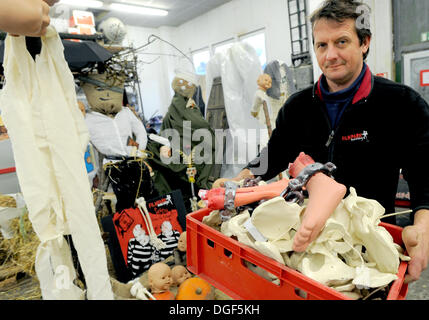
7,201
19,253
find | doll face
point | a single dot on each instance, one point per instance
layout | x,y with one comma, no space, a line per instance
167,228
180,274
160,278
141,235
181,244
265,82
100,98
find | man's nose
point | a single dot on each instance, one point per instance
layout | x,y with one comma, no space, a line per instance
332,53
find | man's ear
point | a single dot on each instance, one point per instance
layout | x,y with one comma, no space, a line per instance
365,44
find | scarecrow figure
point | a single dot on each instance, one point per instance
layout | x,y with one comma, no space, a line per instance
120,136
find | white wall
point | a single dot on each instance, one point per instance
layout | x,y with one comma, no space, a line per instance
150,73
236,18
228,21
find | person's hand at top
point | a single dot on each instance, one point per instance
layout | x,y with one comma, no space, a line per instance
51,2
25,17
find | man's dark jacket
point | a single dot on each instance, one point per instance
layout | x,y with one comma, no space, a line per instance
386,128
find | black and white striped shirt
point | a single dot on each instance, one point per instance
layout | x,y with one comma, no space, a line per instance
140,258
171,244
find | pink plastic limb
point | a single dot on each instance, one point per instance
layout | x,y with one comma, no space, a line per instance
243,196
324,193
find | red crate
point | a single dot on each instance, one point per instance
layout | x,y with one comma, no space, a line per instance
220,260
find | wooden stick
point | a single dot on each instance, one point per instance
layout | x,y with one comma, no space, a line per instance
395,214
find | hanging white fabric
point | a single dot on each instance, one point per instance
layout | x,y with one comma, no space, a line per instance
49,138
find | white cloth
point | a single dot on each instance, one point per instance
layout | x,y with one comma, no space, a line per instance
110,135
49,138
239,68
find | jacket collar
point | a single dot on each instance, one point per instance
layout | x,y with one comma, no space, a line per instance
362,93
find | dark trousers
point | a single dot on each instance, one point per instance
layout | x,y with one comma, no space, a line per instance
130,180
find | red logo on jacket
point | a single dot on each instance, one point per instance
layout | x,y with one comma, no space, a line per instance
356,137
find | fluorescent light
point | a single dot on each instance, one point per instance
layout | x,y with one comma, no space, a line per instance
138,9
83,3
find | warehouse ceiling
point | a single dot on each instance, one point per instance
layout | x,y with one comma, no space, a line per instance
179,11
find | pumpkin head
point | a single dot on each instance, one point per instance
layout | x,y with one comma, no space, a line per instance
195,289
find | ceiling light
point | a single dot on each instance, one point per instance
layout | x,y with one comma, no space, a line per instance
138,9
83,3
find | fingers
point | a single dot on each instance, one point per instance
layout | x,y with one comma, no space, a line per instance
46,19
410,237
51,2
414,270
413,238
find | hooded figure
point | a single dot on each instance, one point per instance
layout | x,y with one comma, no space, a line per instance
172,164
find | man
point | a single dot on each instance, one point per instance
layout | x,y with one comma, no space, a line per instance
369,127
25,17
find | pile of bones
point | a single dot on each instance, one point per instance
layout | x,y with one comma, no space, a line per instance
352,254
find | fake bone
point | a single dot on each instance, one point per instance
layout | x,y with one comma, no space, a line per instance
234,227
321,261
275,218
378,242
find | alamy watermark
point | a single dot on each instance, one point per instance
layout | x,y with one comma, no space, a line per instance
363,21
225,146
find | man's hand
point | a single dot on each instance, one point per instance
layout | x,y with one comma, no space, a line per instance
416,241
220,183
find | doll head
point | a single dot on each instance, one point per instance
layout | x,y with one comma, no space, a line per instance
181,244
167,228
140,235
104,94
159,276
185,83
264,82
179,274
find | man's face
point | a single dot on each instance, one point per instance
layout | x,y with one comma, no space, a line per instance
339,52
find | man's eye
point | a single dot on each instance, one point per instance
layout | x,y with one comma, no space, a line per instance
99,89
